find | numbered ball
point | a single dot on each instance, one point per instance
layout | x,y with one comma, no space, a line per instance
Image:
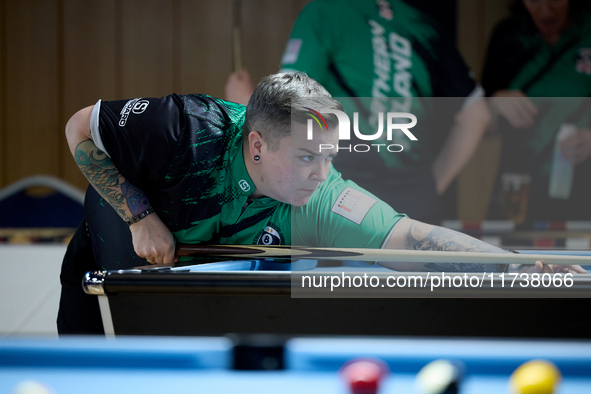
363,376
440,377
535,377
32,387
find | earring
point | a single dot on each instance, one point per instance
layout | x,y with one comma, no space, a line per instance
257,158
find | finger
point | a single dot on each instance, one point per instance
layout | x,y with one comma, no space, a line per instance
529,106
579,157
561,269
581,154
577,269
157,260
580,270
169,257
525,115
541,267
514,118
155,255
567,147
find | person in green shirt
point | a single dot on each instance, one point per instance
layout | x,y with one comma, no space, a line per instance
196,169
387,56
538,75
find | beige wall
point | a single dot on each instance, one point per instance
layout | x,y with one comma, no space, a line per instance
57,56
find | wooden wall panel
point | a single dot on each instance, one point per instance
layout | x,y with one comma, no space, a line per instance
147,48
469,34
61,55
31,68
206,40
205,46
265,31
89,65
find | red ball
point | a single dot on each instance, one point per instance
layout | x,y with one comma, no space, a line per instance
363,376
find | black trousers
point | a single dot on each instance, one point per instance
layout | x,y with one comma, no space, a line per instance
101,242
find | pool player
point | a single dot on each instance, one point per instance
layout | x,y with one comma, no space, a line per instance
193,169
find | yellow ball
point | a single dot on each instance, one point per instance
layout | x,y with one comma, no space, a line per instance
535,377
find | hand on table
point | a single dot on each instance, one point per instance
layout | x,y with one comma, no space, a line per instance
515,106
568,269
239,87
577,146
153,241
540,267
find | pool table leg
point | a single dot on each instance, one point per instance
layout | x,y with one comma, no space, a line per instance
106,316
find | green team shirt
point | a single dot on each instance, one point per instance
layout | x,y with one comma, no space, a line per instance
185,152
556,78
384,52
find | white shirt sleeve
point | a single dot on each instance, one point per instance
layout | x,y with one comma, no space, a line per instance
94,127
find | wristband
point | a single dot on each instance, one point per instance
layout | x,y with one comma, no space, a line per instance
140,216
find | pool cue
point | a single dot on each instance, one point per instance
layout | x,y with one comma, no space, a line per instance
236,35
385,255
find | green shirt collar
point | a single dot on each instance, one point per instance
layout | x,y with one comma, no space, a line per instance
239,173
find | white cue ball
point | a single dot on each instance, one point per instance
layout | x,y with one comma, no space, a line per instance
436,376
31,387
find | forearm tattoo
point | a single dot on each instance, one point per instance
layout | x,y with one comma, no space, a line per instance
426,237
98,168
137,202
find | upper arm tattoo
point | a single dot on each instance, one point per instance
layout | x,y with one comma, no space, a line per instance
99,169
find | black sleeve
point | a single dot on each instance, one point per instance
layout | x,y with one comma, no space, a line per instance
141,135
505,56
493,77
450,75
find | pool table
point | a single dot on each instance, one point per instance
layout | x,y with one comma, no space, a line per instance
203,365
262,297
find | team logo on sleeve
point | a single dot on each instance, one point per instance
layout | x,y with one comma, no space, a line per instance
583,64
140,106
136,106
353,205
269,236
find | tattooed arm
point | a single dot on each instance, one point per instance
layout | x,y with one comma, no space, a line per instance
151,238
413,235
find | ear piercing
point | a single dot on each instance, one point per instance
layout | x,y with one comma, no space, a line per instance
257,158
